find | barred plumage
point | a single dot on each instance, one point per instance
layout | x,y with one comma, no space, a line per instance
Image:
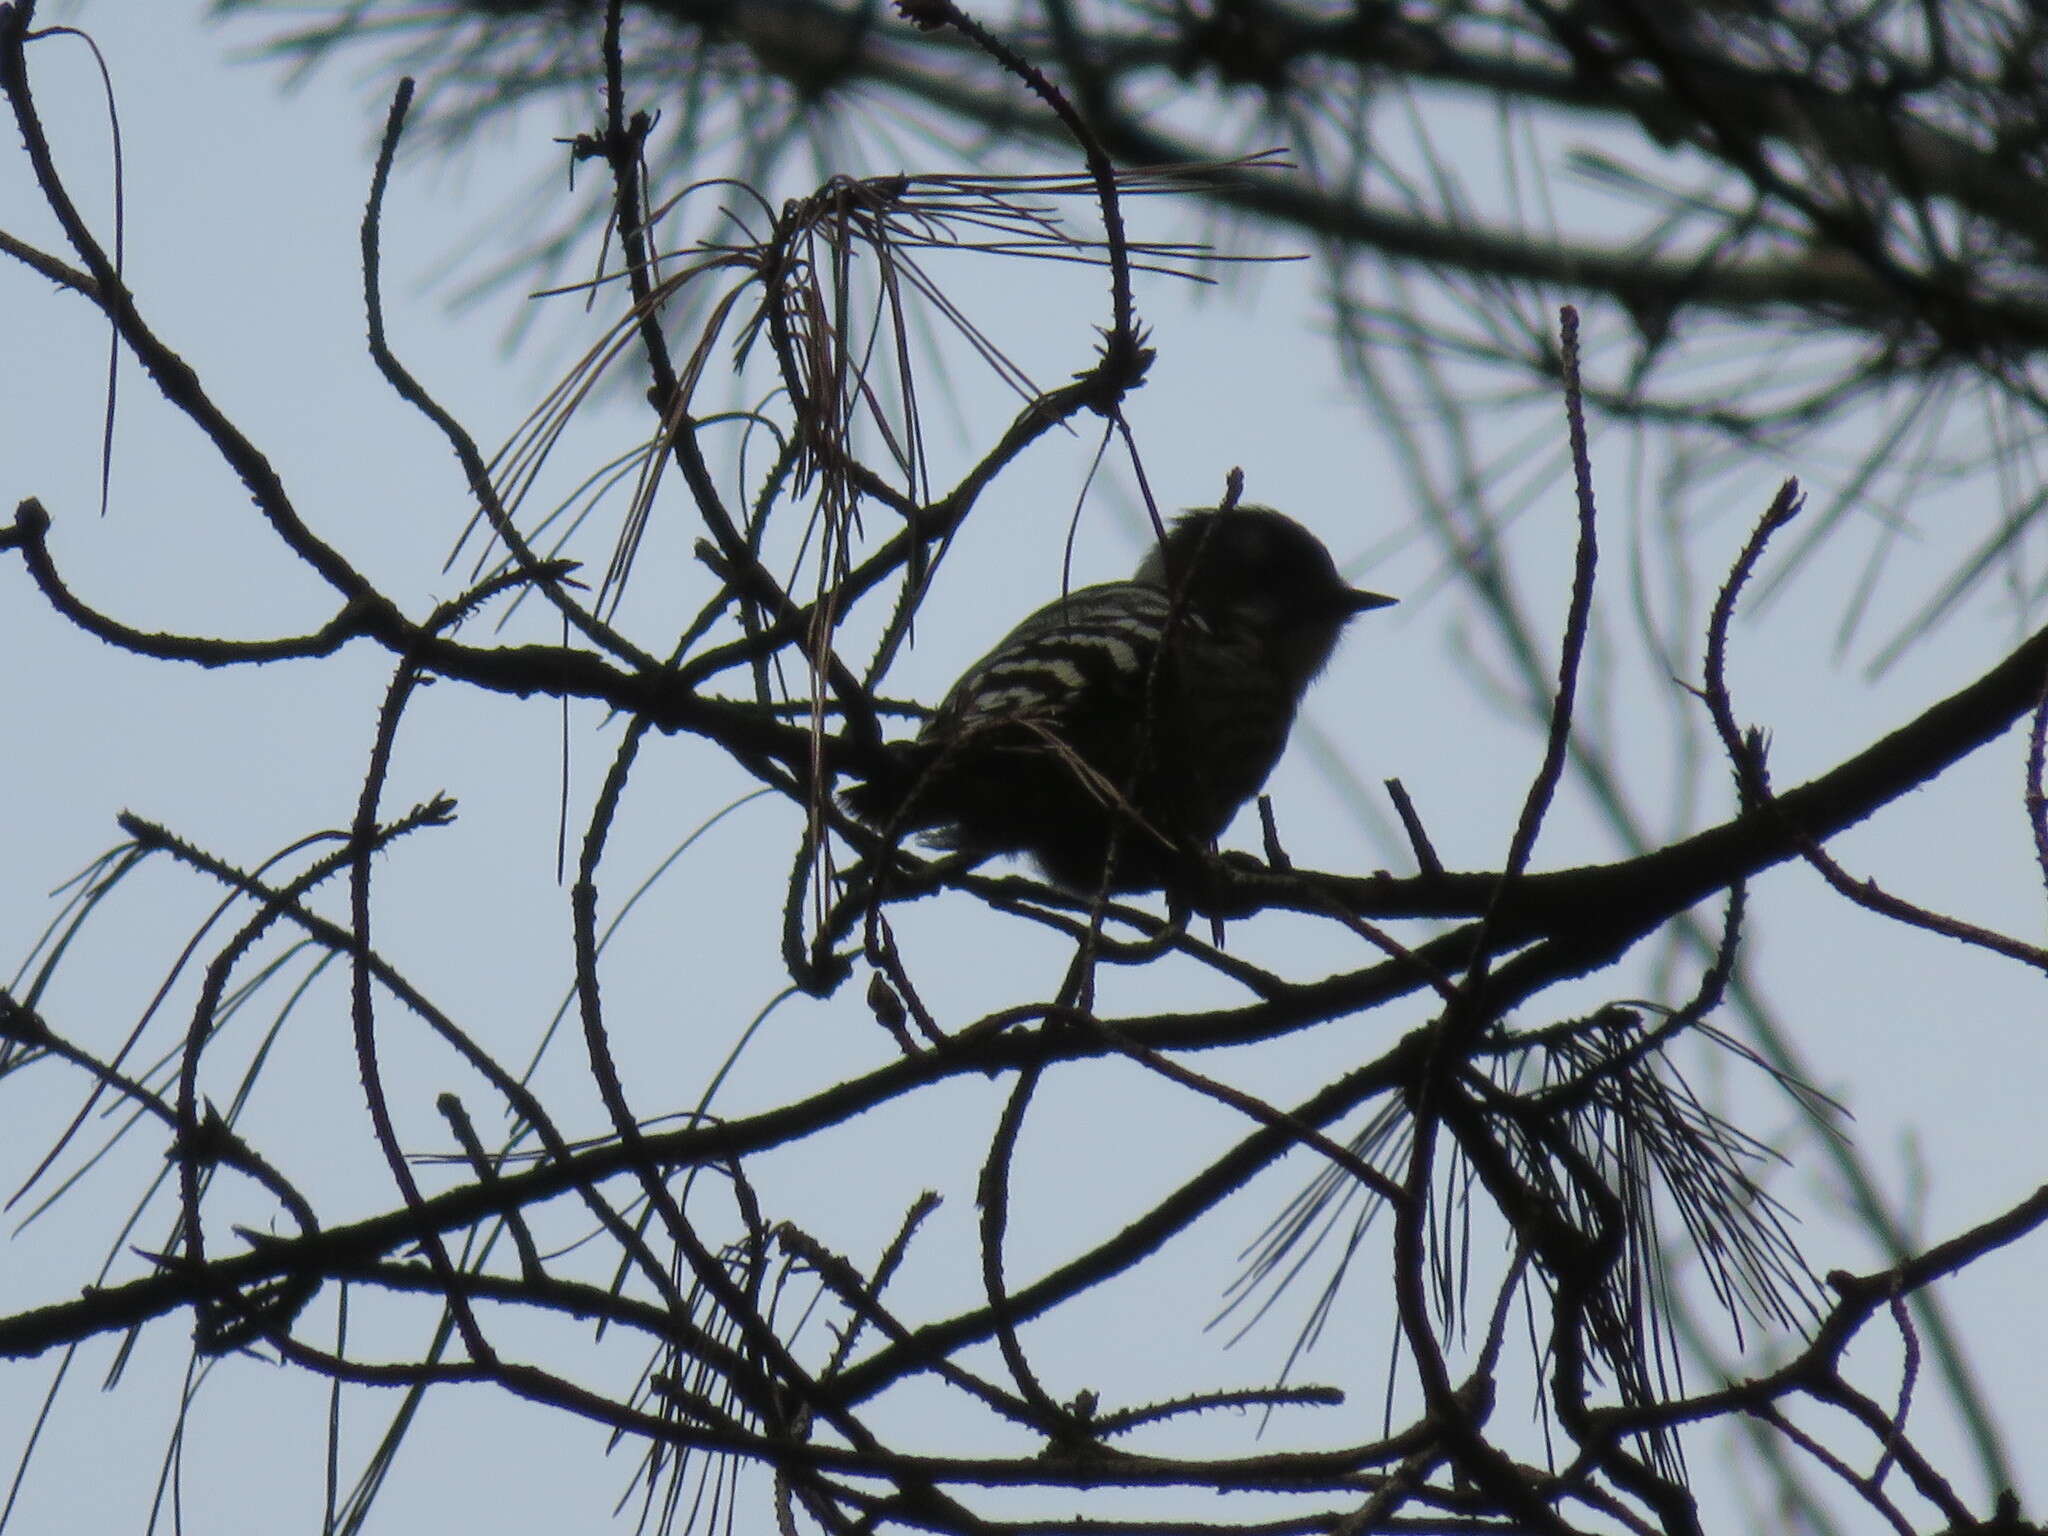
1114,733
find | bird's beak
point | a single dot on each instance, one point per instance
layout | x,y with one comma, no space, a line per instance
1356,601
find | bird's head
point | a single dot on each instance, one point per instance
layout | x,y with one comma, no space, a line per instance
1257,576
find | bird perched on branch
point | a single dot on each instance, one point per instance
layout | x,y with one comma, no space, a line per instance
1114,733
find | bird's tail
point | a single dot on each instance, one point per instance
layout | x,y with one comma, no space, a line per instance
883,798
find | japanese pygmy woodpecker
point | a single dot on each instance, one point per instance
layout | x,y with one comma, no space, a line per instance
1113,734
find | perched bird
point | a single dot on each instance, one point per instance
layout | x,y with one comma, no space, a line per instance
1114,733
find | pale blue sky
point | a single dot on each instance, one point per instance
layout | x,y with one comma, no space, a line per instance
242,211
